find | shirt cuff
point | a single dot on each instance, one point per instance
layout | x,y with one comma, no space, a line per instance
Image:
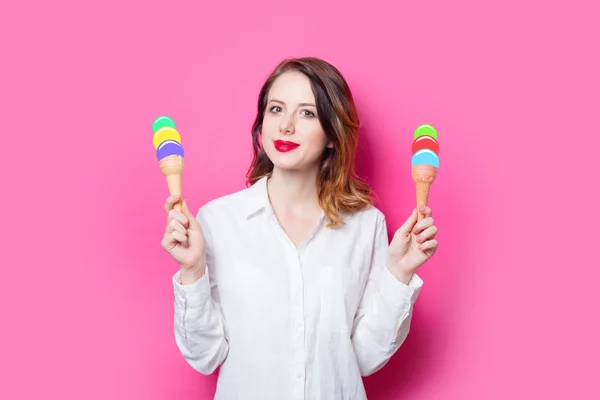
398,292
195,294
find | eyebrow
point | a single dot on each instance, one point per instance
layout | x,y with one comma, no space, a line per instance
301,104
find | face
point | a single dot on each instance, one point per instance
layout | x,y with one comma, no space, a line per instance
292,135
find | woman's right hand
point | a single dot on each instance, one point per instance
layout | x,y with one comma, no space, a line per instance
183,238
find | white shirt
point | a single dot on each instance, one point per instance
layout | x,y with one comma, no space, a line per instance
285,322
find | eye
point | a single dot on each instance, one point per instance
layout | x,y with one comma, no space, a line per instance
308,113
275,109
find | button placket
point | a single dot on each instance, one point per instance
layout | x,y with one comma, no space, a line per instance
296,302
297,312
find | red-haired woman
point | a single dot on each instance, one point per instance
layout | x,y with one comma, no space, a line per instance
289,285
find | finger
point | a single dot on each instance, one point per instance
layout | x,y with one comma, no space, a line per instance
425,210
180,237
193,223
168,242
179,217
175,226
422,225
408,224
171,200
427,234
429,245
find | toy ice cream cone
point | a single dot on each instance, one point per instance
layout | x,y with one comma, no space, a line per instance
170,155
425,162
172,168
423,175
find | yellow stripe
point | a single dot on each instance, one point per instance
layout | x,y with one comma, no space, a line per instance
166,133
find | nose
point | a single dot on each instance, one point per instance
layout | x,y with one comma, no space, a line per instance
286,127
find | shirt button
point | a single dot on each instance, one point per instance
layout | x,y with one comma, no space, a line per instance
299,376
299,324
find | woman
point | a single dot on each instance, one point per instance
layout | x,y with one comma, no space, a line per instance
289,285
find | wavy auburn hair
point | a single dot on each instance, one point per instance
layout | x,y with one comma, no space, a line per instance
339,189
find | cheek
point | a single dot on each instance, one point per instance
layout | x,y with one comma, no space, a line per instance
317,137
269,124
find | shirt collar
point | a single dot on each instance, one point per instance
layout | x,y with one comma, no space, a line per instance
258,199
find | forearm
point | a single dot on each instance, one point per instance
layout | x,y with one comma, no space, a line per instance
191,275
200,330
383,322
403,277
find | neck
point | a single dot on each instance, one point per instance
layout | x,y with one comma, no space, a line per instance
294,192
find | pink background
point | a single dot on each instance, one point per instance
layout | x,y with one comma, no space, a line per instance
510,303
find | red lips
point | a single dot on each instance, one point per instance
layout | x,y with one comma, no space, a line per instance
285,146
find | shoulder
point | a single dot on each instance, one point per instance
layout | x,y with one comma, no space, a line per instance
227,205
369,214
369,219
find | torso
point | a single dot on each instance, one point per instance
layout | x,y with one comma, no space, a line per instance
291,302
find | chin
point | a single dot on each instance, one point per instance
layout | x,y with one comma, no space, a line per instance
287,165
291,161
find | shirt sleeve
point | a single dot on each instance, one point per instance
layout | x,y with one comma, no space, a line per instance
383,319
200,330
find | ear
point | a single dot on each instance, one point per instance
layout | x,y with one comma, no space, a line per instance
330,145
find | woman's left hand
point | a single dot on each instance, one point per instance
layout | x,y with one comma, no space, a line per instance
413,244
